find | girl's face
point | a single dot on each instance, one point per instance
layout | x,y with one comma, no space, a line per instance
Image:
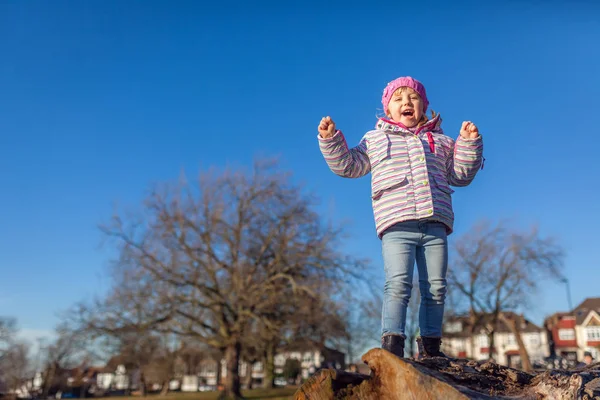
406,107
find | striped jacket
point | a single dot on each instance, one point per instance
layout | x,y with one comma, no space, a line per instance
411,173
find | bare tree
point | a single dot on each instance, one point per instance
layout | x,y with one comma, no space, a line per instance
498,269
7,331
66,351
218,254
15,366
154,357
253,351
128,319
317,320
362,320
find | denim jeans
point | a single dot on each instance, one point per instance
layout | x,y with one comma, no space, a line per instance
402,244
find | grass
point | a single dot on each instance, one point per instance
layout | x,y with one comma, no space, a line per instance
254,394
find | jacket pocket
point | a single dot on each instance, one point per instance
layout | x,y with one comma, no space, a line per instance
382,152
378,190
442,184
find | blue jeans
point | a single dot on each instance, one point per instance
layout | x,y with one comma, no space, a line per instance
402,244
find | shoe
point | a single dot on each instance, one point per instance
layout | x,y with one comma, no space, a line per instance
394,344
429,347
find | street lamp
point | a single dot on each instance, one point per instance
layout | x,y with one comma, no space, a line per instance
566,282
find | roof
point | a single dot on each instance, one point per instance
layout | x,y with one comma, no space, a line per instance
552,320
91,371
584,308
115,361
501,327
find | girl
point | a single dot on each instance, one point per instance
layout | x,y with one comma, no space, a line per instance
412,165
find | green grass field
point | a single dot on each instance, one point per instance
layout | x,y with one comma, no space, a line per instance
254,394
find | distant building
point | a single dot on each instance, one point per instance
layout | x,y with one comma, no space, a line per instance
207,373
311,357
573,333
458,341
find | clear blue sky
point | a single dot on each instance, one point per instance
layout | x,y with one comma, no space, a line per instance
99,99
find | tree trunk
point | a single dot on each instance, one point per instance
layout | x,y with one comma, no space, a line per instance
249,365
492,343
142,384
491,335
129,382
165,387
218,372
472,329
410,347
268,382
410,342
394,378
513,325
350,352
49,380
232,380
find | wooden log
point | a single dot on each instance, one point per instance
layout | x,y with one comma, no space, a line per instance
448,379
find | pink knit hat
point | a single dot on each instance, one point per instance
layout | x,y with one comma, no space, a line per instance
403,81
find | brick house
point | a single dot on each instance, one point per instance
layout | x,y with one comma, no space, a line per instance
572,333
458,341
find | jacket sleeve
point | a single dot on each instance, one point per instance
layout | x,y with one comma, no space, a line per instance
464,162
345,162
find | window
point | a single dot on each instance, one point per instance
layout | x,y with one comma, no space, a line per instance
483,341
534,340
566,334
510,339
208,368
453,327
592,333
279,360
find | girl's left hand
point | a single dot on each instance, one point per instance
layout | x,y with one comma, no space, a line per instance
469,130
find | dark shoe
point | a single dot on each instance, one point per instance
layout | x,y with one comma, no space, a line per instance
429,347
394,344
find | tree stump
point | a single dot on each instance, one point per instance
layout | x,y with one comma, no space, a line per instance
448,379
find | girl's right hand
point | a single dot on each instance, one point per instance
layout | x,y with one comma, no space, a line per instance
326,127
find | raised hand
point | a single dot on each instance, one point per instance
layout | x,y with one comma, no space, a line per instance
469,130
326,127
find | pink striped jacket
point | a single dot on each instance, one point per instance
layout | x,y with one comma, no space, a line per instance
411,173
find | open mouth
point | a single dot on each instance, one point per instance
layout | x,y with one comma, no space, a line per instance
408,113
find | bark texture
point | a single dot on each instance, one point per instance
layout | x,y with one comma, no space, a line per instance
448,379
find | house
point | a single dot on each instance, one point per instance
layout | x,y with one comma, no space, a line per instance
311,357
462,340
208,371
572,333
30,388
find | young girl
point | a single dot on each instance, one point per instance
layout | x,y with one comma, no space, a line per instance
412,165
